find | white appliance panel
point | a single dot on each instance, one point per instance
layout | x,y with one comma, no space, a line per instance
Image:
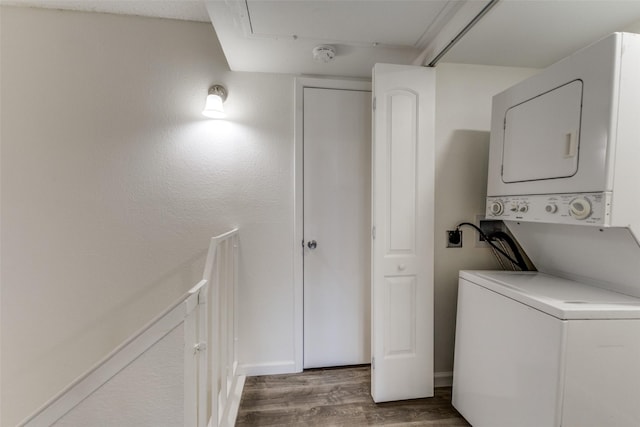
602,360
545,214
574,208
505,371
561,298
587,374
541,142
549,120
606,257
552,161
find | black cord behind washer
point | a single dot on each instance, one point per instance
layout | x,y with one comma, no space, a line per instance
501,235
519,261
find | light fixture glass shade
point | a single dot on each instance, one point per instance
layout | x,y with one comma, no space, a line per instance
213,107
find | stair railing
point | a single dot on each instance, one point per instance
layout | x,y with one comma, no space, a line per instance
207,317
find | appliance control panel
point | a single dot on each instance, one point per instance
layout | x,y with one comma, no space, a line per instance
574,208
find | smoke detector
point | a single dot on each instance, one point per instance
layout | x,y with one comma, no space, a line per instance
323,53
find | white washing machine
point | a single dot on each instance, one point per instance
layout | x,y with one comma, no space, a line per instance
537,350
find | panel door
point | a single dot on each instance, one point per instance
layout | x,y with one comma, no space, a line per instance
337,213
402,255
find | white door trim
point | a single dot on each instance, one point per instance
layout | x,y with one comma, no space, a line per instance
298,199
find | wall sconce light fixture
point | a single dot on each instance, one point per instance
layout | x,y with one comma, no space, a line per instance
213,107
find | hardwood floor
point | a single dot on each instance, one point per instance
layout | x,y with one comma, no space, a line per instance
336,397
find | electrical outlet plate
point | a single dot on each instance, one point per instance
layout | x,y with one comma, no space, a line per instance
487,226
451,244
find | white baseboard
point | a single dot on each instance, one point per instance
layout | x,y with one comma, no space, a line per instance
272,368
443,379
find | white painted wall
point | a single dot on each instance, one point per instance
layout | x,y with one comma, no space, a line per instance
112,184
148,392
463,120
632,28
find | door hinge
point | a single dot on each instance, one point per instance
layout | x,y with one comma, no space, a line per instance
373,232
373,363
374,103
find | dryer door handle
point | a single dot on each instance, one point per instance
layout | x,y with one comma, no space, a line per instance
572,144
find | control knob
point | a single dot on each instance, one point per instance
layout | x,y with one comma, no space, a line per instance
580,208
496,208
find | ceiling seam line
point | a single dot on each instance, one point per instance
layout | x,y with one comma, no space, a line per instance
246,6
461,34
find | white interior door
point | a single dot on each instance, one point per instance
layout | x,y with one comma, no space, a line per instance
337,206
402,255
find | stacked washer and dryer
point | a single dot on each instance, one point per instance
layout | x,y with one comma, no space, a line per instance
560,346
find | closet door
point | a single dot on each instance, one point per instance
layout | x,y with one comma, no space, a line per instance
402,245
337,214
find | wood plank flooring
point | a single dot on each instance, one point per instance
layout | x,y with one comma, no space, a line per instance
336,397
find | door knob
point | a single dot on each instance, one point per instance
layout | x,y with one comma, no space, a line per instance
312,244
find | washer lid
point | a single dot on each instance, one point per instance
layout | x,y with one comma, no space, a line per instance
561,298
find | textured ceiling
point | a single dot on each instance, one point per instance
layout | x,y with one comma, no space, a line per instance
187,10
346,22
279,35
537,33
